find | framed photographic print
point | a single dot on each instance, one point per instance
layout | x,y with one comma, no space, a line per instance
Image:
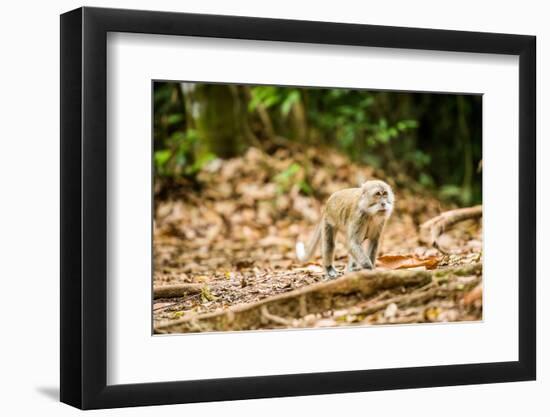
256,208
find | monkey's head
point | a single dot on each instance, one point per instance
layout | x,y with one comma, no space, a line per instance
377,198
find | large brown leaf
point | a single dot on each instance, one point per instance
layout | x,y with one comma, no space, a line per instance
407,261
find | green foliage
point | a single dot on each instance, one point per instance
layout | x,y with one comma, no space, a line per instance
433,138
349,119
181,156
270,97
426,180
461,195
177,144
290,176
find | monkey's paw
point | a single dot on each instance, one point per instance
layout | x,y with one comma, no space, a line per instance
367,265
331,272
353,268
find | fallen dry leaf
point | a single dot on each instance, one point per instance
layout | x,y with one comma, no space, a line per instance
391,311
276,241
311,268
407,261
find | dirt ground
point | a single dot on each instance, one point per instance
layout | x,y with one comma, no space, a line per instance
234,231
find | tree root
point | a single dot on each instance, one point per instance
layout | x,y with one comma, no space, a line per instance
176,290
275,319
433,228
432,290
420,296
286,309
474,295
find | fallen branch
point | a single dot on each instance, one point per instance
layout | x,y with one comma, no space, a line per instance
176,290
317,298
433,228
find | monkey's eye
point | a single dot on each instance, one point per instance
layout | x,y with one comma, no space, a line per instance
378,194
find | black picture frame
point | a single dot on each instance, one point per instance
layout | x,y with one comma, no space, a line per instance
84,207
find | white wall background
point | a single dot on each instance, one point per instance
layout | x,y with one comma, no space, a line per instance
29,225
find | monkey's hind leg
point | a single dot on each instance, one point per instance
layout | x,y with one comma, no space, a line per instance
327,249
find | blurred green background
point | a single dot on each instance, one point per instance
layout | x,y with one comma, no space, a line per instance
434,139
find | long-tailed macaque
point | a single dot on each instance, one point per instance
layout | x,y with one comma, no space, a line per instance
359,213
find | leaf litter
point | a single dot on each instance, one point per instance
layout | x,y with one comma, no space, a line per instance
233,230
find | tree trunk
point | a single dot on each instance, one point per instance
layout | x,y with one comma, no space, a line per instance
220,118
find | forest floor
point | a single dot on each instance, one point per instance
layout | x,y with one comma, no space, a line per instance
230,238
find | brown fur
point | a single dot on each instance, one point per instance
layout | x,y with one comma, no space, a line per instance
360,214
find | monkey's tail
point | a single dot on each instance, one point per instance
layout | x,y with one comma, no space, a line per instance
303,253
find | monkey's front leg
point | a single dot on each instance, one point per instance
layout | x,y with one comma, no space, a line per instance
357,252
372,249
352,265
